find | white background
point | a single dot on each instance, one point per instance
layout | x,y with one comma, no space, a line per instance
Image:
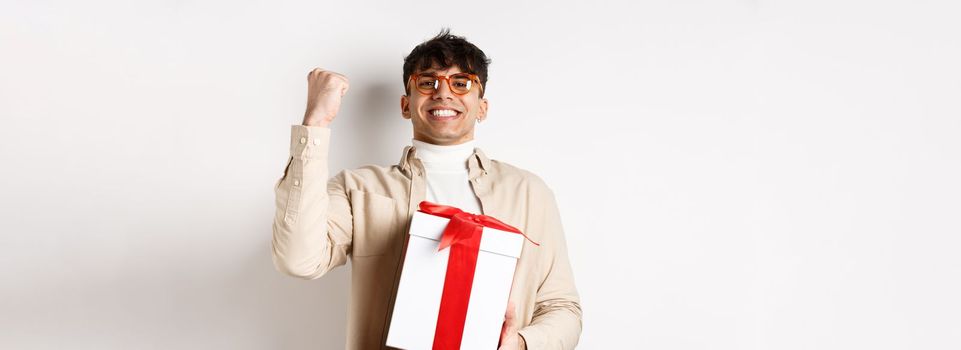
732,174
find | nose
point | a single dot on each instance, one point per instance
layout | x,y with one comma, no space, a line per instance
442,91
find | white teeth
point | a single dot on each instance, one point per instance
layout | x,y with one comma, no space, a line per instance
443,113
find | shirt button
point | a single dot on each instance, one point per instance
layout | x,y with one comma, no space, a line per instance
303,140
296,182
316,142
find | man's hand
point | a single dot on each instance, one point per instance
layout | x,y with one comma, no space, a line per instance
510,339
325,89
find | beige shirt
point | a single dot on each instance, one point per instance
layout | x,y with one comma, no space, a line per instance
364,214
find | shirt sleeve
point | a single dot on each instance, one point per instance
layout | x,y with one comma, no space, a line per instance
556,323
312,227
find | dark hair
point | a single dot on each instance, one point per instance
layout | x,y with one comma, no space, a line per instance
447,50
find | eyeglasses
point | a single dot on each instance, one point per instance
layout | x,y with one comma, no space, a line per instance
460,83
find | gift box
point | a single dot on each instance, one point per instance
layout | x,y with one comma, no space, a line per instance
456,278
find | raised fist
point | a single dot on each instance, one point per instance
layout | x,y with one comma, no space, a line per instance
325,89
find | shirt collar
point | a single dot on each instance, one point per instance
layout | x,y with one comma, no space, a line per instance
453,155
478,162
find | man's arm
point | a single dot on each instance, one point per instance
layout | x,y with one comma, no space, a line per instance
312,226
556,323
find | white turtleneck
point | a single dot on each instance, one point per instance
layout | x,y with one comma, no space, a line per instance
447,181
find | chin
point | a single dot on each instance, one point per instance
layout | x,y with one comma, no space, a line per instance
445,138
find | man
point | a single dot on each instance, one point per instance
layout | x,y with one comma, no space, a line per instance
364,213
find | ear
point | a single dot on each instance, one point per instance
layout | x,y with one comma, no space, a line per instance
483,110
405,106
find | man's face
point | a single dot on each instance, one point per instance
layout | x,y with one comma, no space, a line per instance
427,112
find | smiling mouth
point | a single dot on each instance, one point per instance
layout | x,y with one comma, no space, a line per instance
443,114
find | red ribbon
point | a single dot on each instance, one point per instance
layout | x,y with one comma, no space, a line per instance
462,235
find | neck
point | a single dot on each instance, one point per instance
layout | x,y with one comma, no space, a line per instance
424,138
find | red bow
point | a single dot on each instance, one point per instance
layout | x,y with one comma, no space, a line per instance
463,235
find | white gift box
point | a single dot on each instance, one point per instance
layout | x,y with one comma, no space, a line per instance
419,293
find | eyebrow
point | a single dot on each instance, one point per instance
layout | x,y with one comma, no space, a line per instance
434,73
